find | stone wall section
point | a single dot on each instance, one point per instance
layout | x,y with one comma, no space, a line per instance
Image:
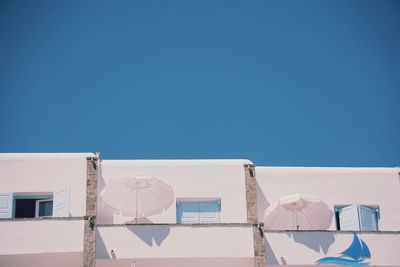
89,245
251,202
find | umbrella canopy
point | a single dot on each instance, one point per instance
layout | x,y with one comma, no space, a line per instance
298,212
138,196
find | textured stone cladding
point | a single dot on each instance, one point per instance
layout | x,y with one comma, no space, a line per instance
251,197
89,246
251,202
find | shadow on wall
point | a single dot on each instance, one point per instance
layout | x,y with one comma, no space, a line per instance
105,215
101,250
149,233
262,203
269,254
317,241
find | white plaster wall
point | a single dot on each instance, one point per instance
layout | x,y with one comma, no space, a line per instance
305,248
41,172
335,186
164,241
40,236
178,262
222,179
61,259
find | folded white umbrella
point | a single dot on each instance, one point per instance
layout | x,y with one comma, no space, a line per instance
138,196
298,212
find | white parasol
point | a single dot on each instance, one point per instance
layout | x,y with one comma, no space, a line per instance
138,196
298,212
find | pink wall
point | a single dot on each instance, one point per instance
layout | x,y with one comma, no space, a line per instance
62,259
222,179
335,186
40,236
41,172
304,248
177,262
179,241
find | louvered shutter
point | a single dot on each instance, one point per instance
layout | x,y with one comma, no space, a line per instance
61,203
209,211
349,218
6,200
187,212
368,218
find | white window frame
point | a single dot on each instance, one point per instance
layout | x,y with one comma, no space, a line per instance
37,206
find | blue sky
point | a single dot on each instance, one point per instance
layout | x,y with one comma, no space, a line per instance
312,83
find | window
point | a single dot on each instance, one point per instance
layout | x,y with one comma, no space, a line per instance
198,211
44,207
31,205
357,217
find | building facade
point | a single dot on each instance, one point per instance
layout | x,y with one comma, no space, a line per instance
53,213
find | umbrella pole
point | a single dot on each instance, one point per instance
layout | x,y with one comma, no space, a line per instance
137,198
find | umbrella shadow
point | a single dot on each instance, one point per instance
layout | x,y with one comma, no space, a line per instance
148,233
262,202
104,213
317,241
101,250
269,253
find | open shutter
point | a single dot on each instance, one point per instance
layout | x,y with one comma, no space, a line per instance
209,211
349,218
368,218
6,200
61,203
187,212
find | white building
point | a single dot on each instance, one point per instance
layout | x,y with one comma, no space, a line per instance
35,185
53,214
377,188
